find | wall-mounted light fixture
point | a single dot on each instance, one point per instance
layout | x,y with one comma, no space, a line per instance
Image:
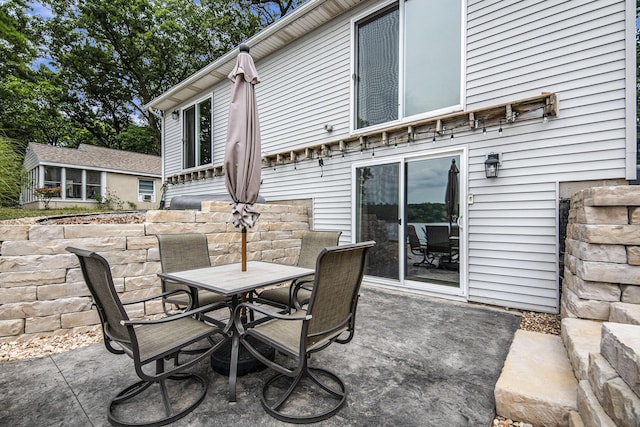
491,165
175,114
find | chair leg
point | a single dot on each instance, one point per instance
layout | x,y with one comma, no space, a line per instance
274,407
139,387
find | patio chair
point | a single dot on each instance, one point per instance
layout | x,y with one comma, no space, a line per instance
329,316
148,343
298,292
186,252
417,247
438,243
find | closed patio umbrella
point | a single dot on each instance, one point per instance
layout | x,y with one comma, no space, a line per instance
242,156
451,193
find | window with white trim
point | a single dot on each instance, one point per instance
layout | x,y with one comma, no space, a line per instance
73,183
93,184
146,190
197,134
408,61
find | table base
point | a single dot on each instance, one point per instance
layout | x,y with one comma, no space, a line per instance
247,363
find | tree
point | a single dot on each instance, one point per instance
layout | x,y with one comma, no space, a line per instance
114,57
105,60
270,11
19,39
11,178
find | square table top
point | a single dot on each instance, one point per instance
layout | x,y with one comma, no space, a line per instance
229,280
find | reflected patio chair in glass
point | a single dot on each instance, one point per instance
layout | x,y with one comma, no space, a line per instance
187,251
328,318
438,244
298,292
416,246
148,343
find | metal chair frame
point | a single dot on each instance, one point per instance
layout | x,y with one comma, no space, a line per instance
330,314
146,341
187,251
313,242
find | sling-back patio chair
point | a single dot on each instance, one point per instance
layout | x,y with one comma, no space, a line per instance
186,252
438,243
298,292
329,316
416,246
148,343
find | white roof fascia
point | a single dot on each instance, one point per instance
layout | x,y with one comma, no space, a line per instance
220,68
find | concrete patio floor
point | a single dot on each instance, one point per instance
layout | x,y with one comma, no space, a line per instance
414,361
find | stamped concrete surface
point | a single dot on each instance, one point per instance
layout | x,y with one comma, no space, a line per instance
414,361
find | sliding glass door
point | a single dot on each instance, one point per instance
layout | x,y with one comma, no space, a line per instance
431,214
411,208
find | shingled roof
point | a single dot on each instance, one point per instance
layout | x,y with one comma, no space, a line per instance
93,157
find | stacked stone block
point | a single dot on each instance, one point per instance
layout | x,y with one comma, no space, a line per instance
42,291
602,260
601,294
609,396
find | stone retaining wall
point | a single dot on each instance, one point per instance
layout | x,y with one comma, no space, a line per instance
602,260
42,291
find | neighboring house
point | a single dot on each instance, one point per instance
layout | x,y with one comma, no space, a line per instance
365,104
89,173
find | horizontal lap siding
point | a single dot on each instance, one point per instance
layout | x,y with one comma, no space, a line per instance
306,87
302,88
514,50
172,150
575,49
329,187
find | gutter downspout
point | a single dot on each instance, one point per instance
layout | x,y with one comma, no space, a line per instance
160,117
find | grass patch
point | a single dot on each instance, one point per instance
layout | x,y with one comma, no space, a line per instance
13,213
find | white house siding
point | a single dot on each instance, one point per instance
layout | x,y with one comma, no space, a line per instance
514,50
519,49
172,145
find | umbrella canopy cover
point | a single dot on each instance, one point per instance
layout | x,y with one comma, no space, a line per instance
242,156
451,193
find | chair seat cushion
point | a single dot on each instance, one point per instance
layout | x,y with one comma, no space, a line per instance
284,335
279,295
159,340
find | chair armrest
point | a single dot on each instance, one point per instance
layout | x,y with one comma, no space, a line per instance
237,312
303,284
201,309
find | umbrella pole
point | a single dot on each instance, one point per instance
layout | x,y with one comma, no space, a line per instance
244,248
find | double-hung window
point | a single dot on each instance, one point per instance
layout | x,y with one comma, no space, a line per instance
408,61
197,134
93,185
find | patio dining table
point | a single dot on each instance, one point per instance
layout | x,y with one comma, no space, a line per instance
229,280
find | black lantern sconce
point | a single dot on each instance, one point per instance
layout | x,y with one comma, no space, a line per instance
491,165
175,114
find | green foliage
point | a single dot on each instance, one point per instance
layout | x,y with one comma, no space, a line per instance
139,139
107,60
12,173
427,212
19,39
110,201
46,194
